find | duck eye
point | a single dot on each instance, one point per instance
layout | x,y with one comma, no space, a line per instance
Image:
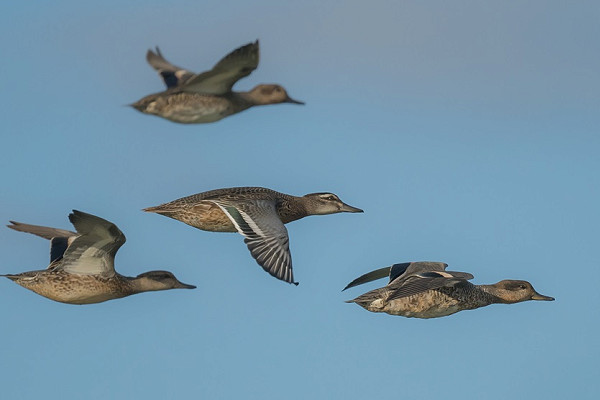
522,287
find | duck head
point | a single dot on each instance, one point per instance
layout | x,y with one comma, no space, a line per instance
327,203
512,291
160,280
271,94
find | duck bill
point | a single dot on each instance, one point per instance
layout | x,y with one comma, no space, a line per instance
290,100
185,286
350,209
538,296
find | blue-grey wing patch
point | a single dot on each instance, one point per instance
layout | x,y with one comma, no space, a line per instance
397,270
58,246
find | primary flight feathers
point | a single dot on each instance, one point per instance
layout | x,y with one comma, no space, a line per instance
259,214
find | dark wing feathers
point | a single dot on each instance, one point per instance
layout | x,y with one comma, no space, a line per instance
414,285
393,272
59,238
423,266
231,68
398,269
171,74
423,281
265,235
58,246
407,279
369,277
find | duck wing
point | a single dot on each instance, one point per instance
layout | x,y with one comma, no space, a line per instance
219,80
93,251
393,272
265,234
171,74
59,238
425,277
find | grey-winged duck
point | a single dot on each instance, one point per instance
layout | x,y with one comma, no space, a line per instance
427,290
81,269
259,214
207,97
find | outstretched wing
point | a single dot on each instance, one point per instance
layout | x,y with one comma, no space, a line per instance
41,231
265,235
171,74
59,238
93,251
369,277
407,279
219,80
393,272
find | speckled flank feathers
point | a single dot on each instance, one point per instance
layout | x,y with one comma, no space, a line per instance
81,269
427,290
259,214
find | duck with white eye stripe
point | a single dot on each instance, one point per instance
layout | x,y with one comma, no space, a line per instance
426,290
259,214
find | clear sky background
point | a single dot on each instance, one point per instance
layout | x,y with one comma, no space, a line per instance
468,131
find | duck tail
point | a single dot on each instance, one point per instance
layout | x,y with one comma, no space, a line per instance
157,209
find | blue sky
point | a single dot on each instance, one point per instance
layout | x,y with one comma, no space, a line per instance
467,131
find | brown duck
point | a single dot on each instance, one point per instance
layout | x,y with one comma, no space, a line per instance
81,269
207,97
427,290
259,214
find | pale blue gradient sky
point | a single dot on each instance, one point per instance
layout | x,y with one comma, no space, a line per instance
468,131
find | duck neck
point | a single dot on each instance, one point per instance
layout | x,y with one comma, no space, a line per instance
244,100
491,294
291,208
139,285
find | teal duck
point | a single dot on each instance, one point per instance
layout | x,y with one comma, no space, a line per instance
427,290
81,269
259,214
207,97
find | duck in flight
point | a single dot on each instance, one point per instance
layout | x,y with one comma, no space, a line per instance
207,97
427,290
259,214
82,269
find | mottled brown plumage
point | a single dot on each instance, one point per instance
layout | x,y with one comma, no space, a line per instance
257,213
81,270
207,97
427,290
